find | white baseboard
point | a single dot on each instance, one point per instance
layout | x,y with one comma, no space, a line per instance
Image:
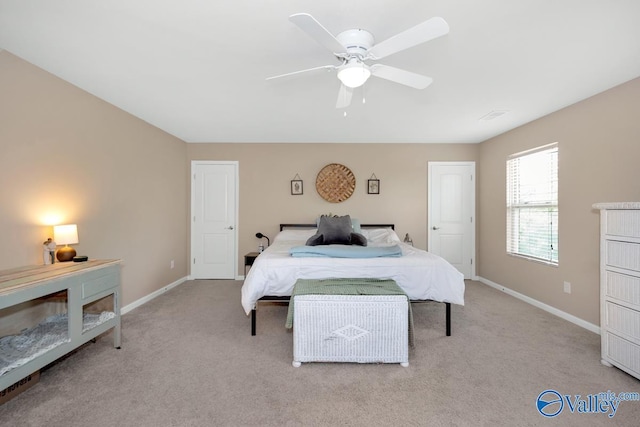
127,308
238,277
566,316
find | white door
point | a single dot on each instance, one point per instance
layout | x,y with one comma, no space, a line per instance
214,220
451,223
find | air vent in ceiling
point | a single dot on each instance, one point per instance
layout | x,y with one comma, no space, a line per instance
492,115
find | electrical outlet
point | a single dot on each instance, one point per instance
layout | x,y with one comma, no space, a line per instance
567,287
173,264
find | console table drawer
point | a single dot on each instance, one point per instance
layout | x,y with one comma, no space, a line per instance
102,281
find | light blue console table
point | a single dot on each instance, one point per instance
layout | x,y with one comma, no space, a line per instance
84,282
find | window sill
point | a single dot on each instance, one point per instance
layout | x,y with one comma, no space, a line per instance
538,260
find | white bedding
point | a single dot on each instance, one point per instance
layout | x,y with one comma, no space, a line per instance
422,275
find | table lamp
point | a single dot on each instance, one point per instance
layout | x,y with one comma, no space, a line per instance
260,236
65,235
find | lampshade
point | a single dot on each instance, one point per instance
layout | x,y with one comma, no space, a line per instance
354,73
65,235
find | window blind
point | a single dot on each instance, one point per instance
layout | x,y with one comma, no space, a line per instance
532,204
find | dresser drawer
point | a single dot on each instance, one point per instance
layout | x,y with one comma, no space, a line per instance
622,287
622,254
622,352
622,321
623,223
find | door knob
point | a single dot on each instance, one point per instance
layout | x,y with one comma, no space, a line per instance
435,228
230,227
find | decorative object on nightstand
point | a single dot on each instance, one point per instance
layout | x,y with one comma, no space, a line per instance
260,236
65,235
373,185
408,240
296,186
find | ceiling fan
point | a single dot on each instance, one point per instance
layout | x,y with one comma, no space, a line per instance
353,48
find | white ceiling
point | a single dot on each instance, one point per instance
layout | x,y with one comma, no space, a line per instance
197,68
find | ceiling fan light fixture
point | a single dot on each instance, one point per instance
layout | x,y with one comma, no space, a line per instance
354,73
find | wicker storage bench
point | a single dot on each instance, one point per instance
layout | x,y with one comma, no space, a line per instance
351,328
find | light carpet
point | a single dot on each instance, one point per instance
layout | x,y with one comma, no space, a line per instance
188,359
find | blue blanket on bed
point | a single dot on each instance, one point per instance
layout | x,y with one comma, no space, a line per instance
346,251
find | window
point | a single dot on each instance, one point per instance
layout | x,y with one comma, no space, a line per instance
532,204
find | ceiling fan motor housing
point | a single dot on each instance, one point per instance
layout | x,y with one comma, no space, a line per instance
356,42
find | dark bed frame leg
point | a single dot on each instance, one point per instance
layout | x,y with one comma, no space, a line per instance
448,304
253,322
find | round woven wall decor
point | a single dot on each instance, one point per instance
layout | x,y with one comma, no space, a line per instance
335,183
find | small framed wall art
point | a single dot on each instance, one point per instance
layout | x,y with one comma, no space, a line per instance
296,186
373,185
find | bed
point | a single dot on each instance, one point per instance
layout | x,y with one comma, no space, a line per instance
423,276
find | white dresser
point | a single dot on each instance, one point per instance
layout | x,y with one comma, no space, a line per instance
620,285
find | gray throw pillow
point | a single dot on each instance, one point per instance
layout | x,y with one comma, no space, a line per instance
315,240
335,229
358,239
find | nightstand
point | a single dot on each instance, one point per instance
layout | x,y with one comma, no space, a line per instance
249,259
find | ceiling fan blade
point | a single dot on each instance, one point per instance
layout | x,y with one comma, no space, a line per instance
324,67
309,25
421,33
407,78
344,96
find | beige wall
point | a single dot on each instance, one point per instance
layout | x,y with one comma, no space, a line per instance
267,169
68,157
599,151
126,185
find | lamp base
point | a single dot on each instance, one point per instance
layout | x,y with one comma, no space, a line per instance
65,254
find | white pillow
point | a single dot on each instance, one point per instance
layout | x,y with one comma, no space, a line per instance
291,234
380,235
